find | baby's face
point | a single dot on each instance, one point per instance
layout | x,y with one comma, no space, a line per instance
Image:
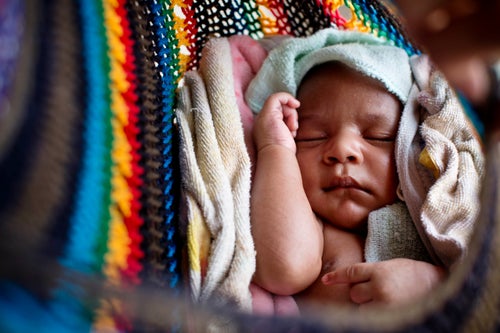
345,145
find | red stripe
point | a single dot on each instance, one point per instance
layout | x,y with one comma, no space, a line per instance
134,221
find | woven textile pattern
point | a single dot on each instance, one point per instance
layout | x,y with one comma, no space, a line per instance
89,222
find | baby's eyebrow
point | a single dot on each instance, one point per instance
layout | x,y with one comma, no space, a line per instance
381,118
307,115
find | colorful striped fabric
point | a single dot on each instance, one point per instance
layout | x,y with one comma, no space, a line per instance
88,157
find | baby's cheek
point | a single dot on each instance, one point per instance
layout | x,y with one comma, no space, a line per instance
386,179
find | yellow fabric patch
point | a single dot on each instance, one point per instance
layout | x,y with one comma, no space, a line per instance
198,239
427,161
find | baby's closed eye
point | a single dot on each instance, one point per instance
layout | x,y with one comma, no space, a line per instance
382,138
379,136
310,135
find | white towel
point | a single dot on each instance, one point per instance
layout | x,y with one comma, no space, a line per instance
215,173
289,62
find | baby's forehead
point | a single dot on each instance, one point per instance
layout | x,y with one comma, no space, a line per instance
335,80
369,102
367,114
328,66
338,71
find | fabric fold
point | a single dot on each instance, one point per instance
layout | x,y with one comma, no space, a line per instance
440,162
216,182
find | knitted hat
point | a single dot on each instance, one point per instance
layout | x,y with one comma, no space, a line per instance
288,63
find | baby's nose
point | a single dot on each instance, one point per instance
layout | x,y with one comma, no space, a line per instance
343,149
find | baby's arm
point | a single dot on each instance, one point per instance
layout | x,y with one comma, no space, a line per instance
390,282
287,235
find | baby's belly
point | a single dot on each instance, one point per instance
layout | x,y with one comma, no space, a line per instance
341,249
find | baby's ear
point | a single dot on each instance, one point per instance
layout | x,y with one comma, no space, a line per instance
399,193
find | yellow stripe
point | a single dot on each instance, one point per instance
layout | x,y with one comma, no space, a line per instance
118,248
333,5
103,320
181,34
121,146
121,196
266,18
354,23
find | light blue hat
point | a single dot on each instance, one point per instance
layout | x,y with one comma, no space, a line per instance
288,63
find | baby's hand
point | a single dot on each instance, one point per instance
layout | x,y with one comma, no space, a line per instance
277,123
390,282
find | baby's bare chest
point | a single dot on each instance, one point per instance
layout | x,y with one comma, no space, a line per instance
341,248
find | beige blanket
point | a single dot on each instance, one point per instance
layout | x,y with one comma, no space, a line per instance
440,164
215,169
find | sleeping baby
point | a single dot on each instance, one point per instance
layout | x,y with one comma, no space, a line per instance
367,174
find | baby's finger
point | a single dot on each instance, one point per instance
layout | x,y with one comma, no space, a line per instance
277,103
287,99
284,98
351,274
291,119
361,293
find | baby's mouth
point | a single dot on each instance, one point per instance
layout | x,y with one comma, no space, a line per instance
343,183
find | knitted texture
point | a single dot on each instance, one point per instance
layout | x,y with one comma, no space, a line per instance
89,170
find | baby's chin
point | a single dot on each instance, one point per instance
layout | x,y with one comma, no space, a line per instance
354,218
